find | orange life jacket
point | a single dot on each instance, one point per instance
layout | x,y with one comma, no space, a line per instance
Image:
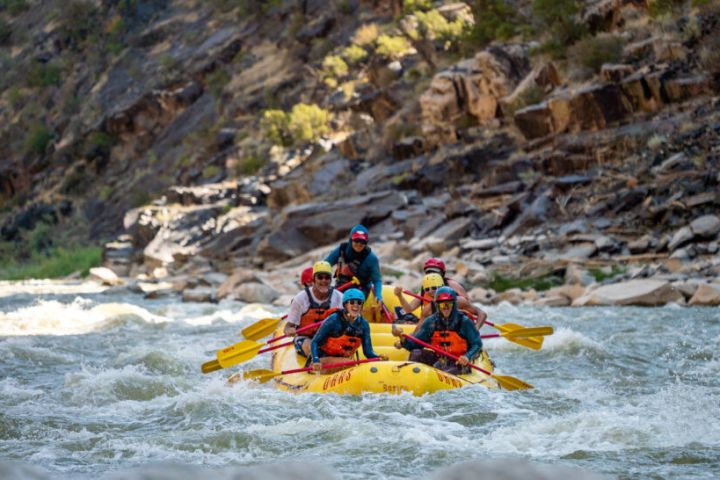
343,346
450,341
316,313
346,344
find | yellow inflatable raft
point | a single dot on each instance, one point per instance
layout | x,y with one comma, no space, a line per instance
394,376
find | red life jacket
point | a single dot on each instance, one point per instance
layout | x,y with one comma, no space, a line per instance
346,344
450,341
316,313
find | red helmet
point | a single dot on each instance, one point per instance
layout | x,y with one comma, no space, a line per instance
306,276
435,264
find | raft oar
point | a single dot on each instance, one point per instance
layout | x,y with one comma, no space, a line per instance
299,330
238,353
507,382
533,342
263,375
264,327
521,332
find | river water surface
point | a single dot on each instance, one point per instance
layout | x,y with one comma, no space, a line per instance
94,384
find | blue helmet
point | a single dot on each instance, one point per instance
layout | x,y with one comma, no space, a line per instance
447,294
353,294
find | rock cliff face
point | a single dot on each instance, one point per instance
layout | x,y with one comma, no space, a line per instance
142,123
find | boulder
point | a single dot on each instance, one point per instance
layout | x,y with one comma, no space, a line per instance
706,226
706,294
231,283
253,292
553,301
634,292
105,276
471,88
681,237
305,227
200,294
447,235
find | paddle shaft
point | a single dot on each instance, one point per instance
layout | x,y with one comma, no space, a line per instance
443,352
298,331
331,365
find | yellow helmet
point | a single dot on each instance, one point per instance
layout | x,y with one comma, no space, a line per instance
432,280
322,267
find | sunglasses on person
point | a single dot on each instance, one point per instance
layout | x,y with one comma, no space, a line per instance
360,241
431,288
445,304
355,302
323,276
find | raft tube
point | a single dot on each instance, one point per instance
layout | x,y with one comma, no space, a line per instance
394,376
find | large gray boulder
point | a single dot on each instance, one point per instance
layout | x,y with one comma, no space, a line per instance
635,292
302,228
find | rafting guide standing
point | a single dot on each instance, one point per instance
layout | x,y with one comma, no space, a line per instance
356,259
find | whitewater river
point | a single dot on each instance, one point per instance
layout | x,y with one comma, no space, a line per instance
103,385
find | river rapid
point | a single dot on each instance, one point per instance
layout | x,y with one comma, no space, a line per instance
98,384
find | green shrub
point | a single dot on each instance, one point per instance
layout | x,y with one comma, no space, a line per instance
250,164
5,33
56,262
43,75
500,283
13,7
78,21
308,123
216,81
592,52
354,54
275,126
658,8
210,171
392,47
410,6
38,139
601,275
334,67
97,144
494,20
434,25
366,35
533,95
305,123
554,21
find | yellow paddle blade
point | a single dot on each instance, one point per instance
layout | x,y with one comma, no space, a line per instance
238,353
534,343
210,366
261,375
529,332
511,383
261,328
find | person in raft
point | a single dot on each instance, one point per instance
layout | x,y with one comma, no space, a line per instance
342,333
448,329
311,305
430,283
355,259
436,265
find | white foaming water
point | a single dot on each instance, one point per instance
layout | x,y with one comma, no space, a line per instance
47,287
51,317
673,417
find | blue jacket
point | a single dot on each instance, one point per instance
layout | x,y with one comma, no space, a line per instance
368,271
459,322
333,327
